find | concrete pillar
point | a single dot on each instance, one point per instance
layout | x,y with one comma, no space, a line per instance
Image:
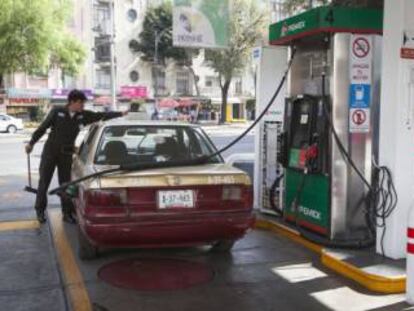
397,121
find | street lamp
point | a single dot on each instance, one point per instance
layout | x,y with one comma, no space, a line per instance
113,65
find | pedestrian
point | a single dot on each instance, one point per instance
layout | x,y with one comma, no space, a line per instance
155,115
65,124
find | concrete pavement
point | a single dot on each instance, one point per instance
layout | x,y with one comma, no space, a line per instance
40,269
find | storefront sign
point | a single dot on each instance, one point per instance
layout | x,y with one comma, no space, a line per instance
134,92
63,93
201,23
29,93
407,53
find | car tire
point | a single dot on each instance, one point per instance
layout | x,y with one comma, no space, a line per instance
86,251
223,246
11,129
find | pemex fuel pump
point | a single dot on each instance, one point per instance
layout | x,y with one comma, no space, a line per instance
330,123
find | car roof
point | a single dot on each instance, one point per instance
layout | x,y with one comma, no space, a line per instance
129,122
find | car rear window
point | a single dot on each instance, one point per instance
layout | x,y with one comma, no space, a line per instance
152,144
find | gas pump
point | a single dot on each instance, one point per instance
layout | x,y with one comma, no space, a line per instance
330,122
305,153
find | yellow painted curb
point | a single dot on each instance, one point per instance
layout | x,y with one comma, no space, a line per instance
287,232
72,276
376,283
19,225
380,284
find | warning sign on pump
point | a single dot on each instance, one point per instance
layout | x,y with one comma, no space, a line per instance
359,96
359,120
361,59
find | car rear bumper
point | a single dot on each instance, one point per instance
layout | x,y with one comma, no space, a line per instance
165,233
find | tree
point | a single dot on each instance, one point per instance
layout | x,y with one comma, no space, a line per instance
245,25
158,22
68,54
33,36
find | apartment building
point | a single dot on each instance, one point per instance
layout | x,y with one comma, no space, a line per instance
105,24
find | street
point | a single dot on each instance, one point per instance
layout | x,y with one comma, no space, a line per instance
40,269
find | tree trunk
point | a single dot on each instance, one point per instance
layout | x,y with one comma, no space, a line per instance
1,81
224,92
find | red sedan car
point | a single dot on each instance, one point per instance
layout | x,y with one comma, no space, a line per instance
157,207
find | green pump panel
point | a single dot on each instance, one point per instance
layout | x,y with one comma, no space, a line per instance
322,193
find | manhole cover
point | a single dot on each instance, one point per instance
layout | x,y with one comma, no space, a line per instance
155,274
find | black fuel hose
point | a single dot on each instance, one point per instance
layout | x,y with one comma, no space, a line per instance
272,194
197,161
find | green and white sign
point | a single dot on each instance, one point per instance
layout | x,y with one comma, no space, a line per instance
201,23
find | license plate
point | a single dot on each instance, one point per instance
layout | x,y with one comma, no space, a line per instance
176,199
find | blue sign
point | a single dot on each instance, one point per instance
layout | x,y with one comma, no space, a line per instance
29,93
360,95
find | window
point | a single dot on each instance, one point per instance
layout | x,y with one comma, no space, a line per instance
159,81
183,82
134,76
101,18
211,81
133,45
238,86
152,144
132,15
102,50
85,147
103,78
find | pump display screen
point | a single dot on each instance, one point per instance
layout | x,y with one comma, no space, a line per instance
301,125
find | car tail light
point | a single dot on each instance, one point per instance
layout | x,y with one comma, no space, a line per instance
232,193
104,198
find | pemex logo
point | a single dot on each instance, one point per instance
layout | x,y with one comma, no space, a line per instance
284,30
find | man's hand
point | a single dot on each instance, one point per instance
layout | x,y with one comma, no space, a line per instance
28,148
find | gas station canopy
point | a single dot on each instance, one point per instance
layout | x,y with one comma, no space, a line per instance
326,20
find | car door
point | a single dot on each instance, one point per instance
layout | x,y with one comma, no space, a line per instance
3,122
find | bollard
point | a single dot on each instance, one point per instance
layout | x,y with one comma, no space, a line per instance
410,258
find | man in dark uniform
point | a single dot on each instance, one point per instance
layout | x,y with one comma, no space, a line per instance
65,124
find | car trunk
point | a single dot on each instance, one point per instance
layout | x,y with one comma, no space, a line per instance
175,192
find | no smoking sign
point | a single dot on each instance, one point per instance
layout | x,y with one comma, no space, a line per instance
360,59
359,120
361,47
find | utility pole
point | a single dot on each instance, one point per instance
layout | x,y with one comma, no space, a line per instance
113,57
158,35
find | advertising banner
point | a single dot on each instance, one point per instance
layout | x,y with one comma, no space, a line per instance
133,92
201,23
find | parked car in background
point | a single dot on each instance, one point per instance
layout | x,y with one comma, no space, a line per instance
208,203
10,124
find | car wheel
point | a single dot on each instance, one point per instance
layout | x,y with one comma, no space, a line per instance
86,250
11,129
223,246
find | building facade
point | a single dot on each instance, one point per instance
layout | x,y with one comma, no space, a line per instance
103,25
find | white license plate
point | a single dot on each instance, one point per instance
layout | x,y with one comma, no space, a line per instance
176,199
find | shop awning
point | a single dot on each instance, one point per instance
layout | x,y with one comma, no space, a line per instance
103,100
168,103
